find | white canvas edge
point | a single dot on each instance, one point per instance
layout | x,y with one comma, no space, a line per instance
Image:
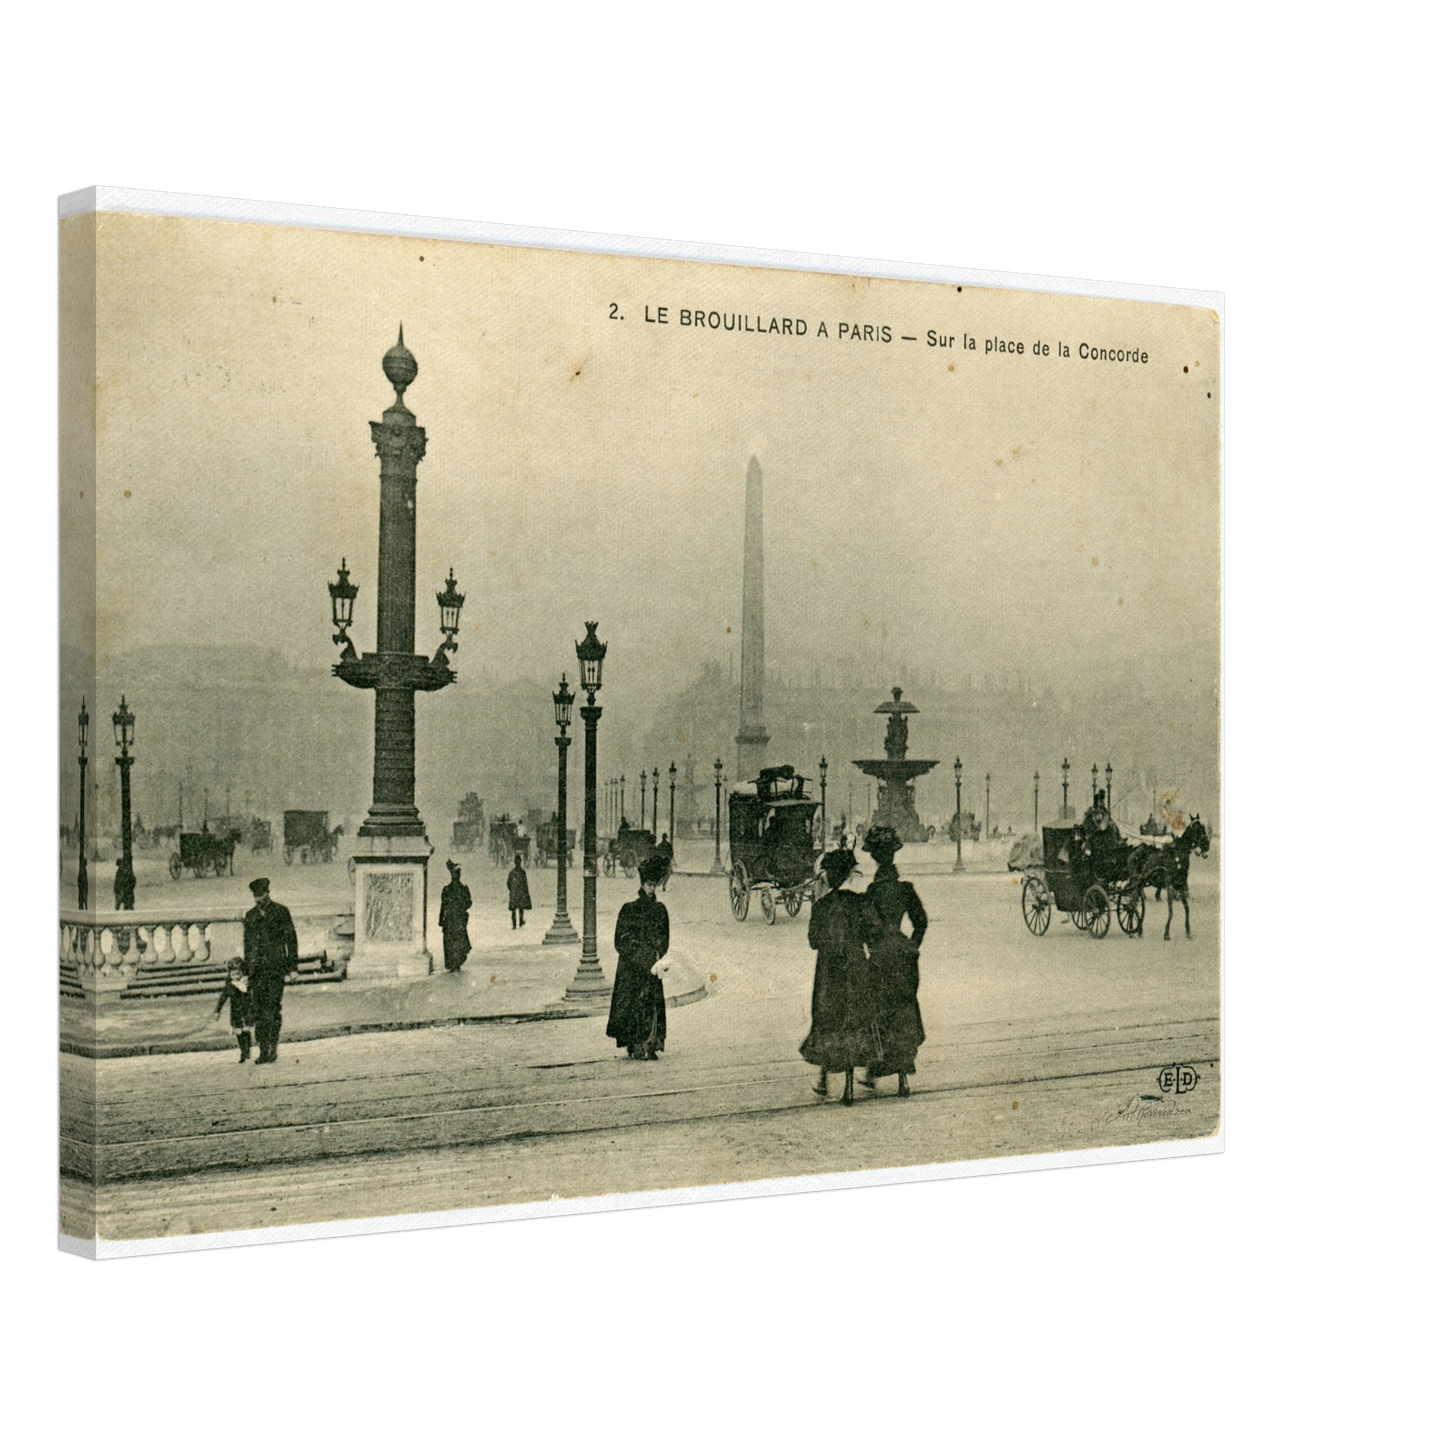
174,203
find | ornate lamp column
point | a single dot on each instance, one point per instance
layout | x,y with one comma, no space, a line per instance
82,875
1109,787
823,791
589,984
642,799
561,930
1064,816
986,833
392,851
654,802
717,865
1093,790
124,724
958,815
672,803
1036,801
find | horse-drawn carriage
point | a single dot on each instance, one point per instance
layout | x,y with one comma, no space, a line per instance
1085,878
505,839
627,850
470,825
253,833
307,836
547,843
771,844
968,825
205,852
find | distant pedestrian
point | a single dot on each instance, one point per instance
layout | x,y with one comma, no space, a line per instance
665,852
270,955
124,884
519,896
638,1016
237,993
844,1034
893,962
456,909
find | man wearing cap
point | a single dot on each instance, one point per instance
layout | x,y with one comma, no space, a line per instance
270,955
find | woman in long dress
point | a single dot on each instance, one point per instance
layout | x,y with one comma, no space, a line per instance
455,912
638,1016
894,960
843,1035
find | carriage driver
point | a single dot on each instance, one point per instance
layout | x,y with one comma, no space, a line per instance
1101,833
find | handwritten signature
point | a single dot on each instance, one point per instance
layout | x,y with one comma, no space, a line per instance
1143,1108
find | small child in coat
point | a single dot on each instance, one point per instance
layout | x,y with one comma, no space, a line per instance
243,1013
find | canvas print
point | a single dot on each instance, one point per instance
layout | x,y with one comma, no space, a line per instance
546,727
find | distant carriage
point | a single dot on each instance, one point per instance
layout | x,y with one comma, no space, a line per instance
627,850
505,839
1085,885
253,833
205,852
469,830
771,844
547,843
968,826
308,836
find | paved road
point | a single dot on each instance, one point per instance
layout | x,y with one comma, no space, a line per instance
1034,1045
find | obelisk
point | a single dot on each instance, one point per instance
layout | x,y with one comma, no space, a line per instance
752,738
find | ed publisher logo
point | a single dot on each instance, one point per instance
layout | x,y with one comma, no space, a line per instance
1178,1078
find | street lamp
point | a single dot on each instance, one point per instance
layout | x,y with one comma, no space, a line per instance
82,877
1036,802
124,724
561,930
823,789
986,833
672,804
1109,787
1065,814
450,601
958,815
654,804
642,799
1094,789
717,866
589,983
343,598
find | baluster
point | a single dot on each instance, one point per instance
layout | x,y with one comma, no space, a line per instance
148,953
110,950
66,944
165,953
183,943
203,944
131,960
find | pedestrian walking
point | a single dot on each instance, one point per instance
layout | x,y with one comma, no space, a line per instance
237,993
270,955
519,896
844,1034
455,911
893,962
637,1019
124,886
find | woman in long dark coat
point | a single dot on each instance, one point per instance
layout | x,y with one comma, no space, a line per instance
894,960
842,927
519,896
455,912
638,1017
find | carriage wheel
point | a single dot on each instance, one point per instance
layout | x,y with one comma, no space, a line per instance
175,865
793,901
1130,909
288,854
769,905
1096,910
1037,908
738,891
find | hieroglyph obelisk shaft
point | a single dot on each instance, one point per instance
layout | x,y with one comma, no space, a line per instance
752,738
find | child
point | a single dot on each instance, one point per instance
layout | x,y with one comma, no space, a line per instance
242,1011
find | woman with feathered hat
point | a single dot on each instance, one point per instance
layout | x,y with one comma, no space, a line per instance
842,927
894,960
638,1017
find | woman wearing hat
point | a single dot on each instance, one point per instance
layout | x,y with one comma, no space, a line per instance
842,927
455,914
894,959
638,1017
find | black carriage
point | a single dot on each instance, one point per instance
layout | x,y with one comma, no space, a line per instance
1087,883
204,852
771,844
308,837
469,829
505,839
547,843
627,850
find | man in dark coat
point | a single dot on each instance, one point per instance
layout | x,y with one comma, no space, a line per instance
270,955
456,910
638,1017
519,896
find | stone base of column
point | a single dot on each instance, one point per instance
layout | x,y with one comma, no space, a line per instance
589,985
717,868
561,931
958,865
391,909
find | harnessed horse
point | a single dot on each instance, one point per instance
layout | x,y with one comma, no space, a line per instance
1168,868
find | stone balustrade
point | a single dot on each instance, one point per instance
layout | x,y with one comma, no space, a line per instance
107,948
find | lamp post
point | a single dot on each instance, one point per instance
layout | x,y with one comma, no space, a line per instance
589,985
561,930
986,833
958,815
1094,784
124,724
717,865
392,851
642,799
672,804
823,789
654,804
1065,814
1036,802
1109,787
82,876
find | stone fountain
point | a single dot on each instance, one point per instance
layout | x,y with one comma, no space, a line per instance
896,772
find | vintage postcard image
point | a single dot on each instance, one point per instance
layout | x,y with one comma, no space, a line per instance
547,729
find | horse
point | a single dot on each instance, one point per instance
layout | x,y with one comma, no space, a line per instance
1167,868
